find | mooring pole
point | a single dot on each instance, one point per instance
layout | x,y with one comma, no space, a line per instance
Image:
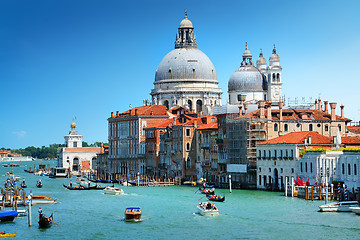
29,208
230,183
286,186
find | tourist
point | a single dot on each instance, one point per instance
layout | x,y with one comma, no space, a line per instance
70,183
40,212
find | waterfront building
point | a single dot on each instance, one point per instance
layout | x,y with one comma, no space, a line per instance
277,159
74,156
186,77
102,163
244,130
127,138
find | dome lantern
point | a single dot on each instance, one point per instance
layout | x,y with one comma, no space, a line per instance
185,37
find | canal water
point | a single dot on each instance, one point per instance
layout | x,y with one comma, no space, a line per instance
170,213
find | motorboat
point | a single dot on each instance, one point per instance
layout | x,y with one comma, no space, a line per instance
58,173
339,206
8,216
355,210
21,212
125,183
42,200
207,209
3,234
132,214
113,190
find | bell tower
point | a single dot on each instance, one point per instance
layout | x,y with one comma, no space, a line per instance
73,139
274,78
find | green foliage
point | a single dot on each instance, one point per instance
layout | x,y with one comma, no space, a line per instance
337,182
48,152
351,149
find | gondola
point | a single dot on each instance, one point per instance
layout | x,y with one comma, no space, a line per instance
39,185
23,185
104,181
216,198
45,222
208,191
81,187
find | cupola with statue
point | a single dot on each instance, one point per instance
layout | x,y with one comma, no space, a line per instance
73,139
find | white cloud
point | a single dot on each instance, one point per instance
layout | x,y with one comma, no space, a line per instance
20,134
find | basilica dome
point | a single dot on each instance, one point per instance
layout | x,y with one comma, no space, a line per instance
246,79
185,64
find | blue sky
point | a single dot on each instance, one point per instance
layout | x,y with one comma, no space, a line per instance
60,59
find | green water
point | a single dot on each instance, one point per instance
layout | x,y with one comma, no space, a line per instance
170,213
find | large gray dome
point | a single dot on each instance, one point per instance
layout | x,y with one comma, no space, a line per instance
246,79
186,64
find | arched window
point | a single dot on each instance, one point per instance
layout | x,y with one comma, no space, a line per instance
166,104
190,105
170,73
193,73
349,169
264,154
75,164
259,155
276,127
310,127
286,127
278,77
292,153
339,126
326,128
198,106
306,167
269,154
273,77
187,146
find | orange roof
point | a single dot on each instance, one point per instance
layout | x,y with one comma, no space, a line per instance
83,149
354,129
144,110
299,138
350,140
212,125
162,124
298,114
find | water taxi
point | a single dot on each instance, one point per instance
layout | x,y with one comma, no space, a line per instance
3,234
208,209
58,172
355,210
113,190
132,214
42,200
339,206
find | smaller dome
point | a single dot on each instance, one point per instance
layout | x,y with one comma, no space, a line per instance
73,125
261,60
274,57
186,23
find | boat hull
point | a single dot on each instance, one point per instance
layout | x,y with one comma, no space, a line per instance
355,210
7,234
207,212
338,207
8,216
113,191
45,222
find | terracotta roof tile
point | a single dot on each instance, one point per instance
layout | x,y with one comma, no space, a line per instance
350,140
354,129
299,138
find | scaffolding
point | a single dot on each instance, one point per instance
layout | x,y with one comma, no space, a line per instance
243,133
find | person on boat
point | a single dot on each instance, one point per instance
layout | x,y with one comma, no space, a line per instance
23,181
70,183
88,183
208,206
40,212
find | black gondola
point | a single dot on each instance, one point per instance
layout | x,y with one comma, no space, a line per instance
23,185
81,187
39,185
216,198
208,191
104,181
45,222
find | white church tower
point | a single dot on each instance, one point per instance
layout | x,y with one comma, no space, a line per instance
73,139
274,78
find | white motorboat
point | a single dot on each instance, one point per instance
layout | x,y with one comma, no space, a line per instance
339,206
113,190
125,183
208,209
22,212
355,210
42,200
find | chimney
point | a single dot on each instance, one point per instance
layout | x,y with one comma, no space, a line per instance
269,111
316,104
281,105
136,111
320,105
195,122
309,141
117,113
262,108
240,110
102,148
174,120
112,114
151,112
333,106
245,108
342,110
326,107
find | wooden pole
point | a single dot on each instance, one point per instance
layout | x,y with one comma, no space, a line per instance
29,208
312,193
286,186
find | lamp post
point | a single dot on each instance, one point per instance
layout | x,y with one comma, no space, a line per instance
230,183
